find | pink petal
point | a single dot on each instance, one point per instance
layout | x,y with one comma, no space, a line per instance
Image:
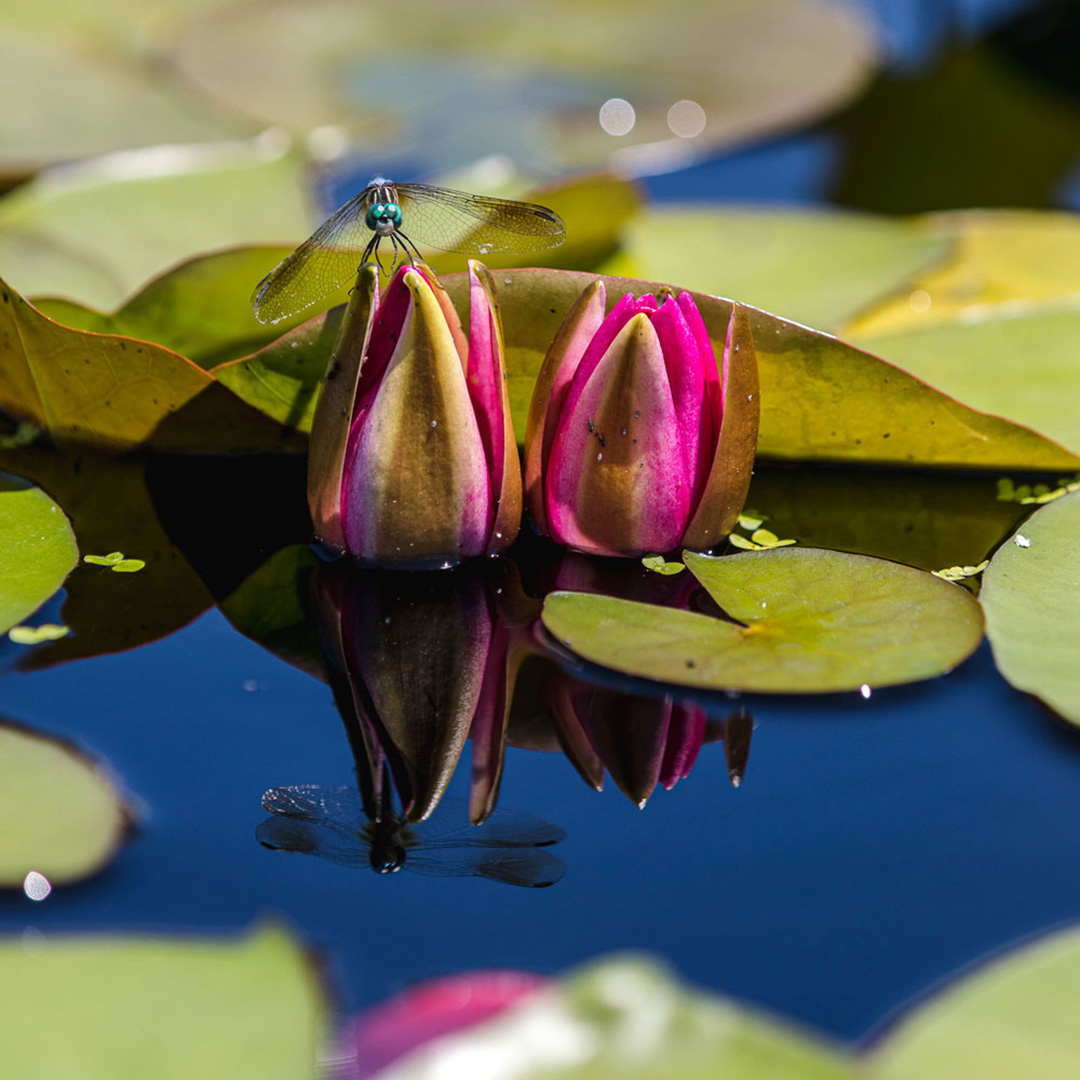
686,733
615,483
438,1007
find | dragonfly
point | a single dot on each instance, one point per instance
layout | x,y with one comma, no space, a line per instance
330,822
405,215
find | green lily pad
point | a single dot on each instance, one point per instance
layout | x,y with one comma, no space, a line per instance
95,232
529,88
79,819
808,383
1031,595
77,97
627,1019
813,621
116,393
106,1008
1014,1017
37,550
1013,361
200,308
816,267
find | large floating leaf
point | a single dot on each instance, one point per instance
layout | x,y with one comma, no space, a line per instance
813,621
115,392
200,309
626,1019
37,550
522,76
821,399
97,231
103,1008
1015,362
60,815
1015,1017
816,267
1031,593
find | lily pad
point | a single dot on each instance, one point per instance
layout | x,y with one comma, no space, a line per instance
37,550
1031,595
809,381
627,1019
808,621
114,392
1016,361
1013,1017
815,267
529,88
200,308
79,819
96,231
103,1008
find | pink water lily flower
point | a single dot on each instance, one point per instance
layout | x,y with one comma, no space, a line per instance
638,441
413,459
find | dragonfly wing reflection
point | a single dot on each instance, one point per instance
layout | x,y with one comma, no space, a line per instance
335,805
288,834
476,224
504,828
531,868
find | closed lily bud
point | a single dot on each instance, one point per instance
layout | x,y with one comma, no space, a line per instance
638,441
413,459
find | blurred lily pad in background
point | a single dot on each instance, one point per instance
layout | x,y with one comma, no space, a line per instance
170,1008
37,549
525,78
61,817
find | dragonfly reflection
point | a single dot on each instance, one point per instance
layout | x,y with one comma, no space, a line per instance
330,822
404,215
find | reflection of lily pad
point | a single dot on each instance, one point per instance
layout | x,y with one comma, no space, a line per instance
1015,1017
530,78
1031,593
61,816
37,550
812,621
172,1009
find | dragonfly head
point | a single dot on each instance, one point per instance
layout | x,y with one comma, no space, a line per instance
383,218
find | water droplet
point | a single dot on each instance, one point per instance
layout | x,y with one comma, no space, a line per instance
36,886
599,457
1021,541
434,423
865,690
484,249
637,413
624,431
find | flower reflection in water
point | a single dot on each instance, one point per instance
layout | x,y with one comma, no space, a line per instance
420,664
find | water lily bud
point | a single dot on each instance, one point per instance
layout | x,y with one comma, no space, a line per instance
637,440
413,460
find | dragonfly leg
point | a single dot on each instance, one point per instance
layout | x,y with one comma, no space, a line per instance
411,250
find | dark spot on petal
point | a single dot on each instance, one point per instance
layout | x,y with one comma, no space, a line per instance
691,663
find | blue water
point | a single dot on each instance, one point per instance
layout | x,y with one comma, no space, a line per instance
873,847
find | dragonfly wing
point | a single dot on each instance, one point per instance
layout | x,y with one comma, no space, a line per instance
335,805
476,224
288,834
322,263
526,867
